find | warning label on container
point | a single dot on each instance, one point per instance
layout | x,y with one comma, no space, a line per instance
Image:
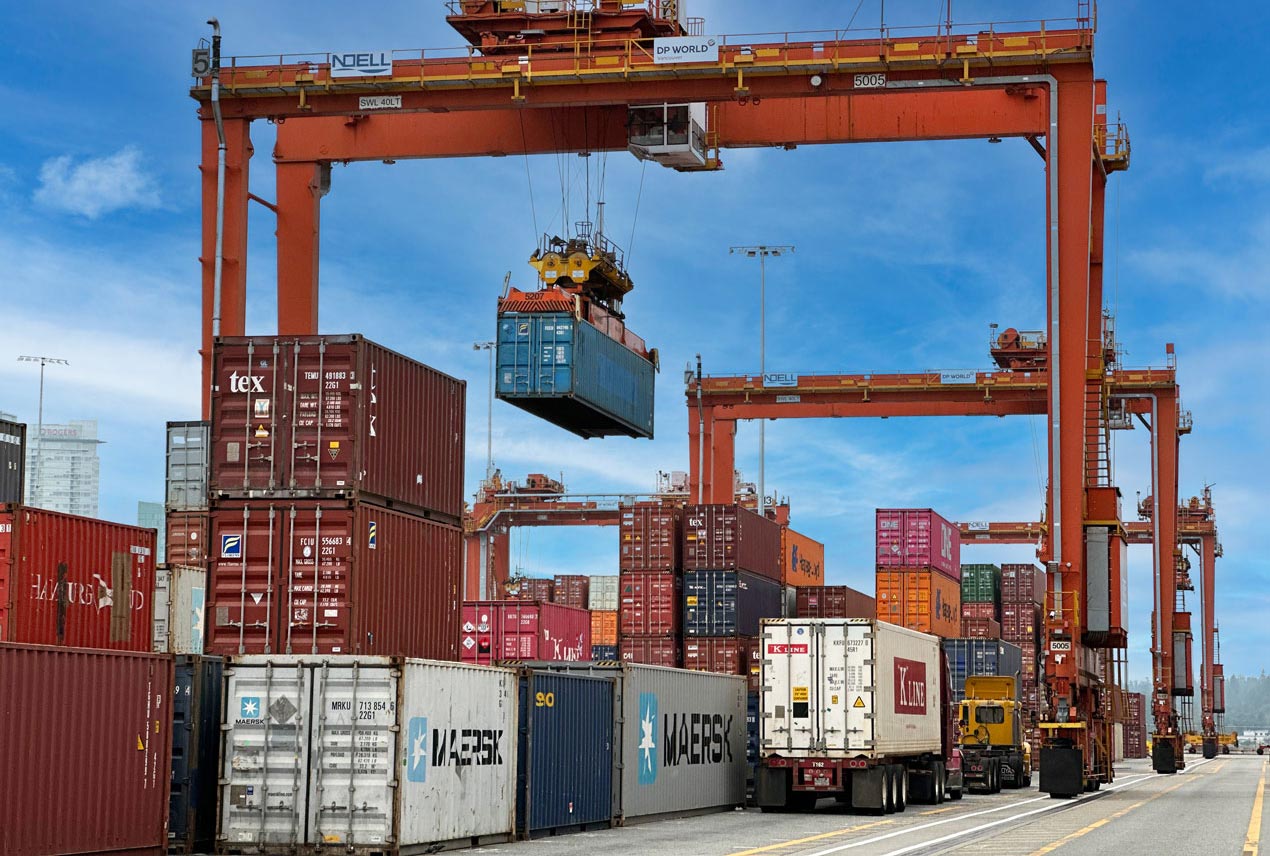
801,694
859,701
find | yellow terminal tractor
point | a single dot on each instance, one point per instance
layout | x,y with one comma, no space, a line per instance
994,754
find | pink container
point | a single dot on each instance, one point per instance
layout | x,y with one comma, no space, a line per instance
494,630
918,538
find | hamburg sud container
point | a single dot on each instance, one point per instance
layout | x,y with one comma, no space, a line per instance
802,559
650,650
967,657
495,630
833,602
12,460
680,737
85,739
336,416
387,583
918,538
196,714
179,607
728,603
187,463
731,538
649,604
602,593
651,537
920,600
566,371
572,590
424,751
75,581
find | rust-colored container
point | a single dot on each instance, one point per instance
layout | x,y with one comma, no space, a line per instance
1219,688
572,590
833,602
924,600
918,538
187,538
980,628
387,582
649,604
77,581
497,630
987,611
731,538
734,655
651,538
1022,584
650,650
802,559
336,416
532,588
86,741
603,627
1020,623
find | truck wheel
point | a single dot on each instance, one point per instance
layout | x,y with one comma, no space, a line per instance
901,787
1016,774
940,775
996,777
888,790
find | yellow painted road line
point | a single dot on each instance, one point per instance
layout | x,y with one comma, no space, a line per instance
1252,842
796,841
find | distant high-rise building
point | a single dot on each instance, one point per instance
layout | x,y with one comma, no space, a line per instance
63,472
151,515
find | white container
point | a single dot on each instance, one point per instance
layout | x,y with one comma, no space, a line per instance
179,594
425,751
1117,742
603,594
833,687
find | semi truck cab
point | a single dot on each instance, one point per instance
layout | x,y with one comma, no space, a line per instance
994,754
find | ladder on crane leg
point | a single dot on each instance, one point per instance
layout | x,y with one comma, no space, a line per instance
1097,451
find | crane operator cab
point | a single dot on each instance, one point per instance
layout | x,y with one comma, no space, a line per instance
673,135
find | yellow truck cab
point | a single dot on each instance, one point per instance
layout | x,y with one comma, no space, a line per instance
994,754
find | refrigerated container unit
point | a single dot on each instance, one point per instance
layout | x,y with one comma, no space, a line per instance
180,595
802,559
495,631
196,717
650,650
1022,584
329,417
833,602
651,538
85,735
922,600
967,657
532,588
735,655
12,461
980,584
603,627
918,538
571,590
566,371
387,583
602,593
650,604
728,603
731,538
603,653
187,537
188,460
425,751
75,581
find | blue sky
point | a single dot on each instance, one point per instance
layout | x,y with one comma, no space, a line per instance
906,253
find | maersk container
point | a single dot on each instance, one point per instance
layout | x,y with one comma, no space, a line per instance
187,465
422,752
179,595
565,753
967,657
85,737
12,461
728,603
681,739
196,716
567,372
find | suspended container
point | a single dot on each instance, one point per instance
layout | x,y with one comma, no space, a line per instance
196,716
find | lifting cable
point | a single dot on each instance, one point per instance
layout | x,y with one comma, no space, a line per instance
630,247
533,208
858,7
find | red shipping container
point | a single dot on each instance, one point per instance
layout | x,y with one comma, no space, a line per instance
186,538
980,628
531,588
650,650
649,604
77,581
651,537
387,582
731,538
336,416
572,590
987,611
833,602
1022,584
495,630
918,538
735,655
87,748
1020,623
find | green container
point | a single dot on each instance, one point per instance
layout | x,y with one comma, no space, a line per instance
980,584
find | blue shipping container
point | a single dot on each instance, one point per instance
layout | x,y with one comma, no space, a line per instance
981,657
603,652
572,375
729,603
564,774
196,709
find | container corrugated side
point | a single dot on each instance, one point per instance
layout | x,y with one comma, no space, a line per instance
196,717
187,539
918,538
533,588
187,465
572,590
922,600
12,461
493,631
967,657
85,737
802,559
650,650
728,603
833,602
731,538
602,593
650,537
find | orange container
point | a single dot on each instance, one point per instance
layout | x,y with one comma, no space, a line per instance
802,559
920,599
603,627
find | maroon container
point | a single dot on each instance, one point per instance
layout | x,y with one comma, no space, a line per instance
387,582
651,537
86,742
531,588
980,628
731,538
186,539
336,416
650,650
649,604
1020,623
572,590
77,581
1022,584
736,655
496,630
918,538
980,610
833,602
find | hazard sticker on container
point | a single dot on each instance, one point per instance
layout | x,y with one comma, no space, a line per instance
801,694
691,600
859,701
469,643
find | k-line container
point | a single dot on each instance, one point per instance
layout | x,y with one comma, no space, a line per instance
187,465
78,581
651,536
423,751
532,588
650,650
1022,584
649,604
918,538
387,583
603,627
567,372
602,593
802,559
85,736
833,602
922,600
980,584
731,538
336,416
12,461
680,738
728,603
602,653
180,594
187,538
196,716
967,657
565,753
572,590
735,655
493,631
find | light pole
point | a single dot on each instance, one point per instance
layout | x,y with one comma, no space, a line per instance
489,430
761,252
39,430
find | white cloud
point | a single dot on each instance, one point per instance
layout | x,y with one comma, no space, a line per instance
97,186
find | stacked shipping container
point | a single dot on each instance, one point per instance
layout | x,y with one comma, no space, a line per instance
494,631
1022,599
12,461
918,571
650,586
833,602
1135,726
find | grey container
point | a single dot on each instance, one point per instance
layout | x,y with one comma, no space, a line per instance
968,657
603,594
187,466
12,461
659,769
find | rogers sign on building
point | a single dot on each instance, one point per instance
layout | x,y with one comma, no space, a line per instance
910,687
